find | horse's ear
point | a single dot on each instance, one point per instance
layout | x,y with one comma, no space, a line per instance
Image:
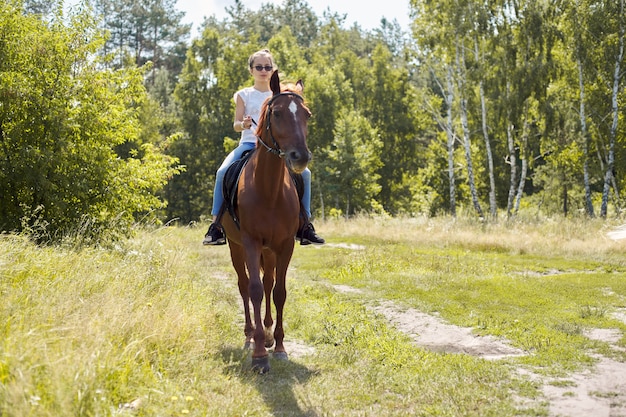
275,83
300,86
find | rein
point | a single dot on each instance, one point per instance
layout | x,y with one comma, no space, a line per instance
276,149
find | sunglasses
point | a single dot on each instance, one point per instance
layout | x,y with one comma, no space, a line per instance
267,68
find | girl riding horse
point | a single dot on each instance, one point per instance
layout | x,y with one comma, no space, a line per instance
248,105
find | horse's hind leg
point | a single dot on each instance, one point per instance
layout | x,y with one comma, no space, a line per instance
268,260
237,256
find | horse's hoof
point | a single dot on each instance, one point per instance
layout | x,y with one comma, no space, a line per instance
261,365
281,356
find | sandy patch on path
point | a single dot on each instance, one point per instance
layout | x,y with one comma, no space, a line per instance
596,392
433,333
298,349
350,246
617,234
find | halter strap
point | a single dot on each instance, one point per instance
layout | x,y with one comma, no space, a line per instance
284,93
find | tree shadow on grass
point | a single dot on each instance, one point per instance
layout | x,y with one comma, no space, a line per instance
279,387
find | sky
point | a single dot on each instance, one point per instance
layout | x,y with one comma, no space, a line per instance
366,13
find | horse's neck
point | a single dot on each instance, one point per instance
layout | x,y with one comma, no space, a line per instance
271,170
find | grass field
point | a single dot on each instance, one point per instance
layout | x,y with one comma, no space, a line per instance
154,325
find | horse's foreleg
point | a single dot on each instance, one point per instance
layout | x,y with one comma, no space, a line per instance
255,288
269,265
260,360
238,259
280,296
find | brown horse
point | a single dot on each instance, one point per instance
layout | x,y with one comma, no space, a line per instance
268,214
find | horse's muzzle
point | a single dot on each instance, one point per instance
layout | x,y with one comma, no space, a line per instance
297,160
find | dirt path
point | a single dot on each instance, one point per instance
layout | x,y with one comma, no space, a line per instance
435,334
597,392
618,233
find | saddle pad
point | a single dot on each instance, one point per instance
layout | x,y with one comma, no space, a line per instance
231,179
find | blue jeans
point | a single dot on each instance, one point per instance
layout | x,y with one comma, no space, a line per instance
218,196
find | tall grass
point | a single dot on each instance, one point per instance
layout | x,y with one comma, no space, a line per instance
87,330
157,320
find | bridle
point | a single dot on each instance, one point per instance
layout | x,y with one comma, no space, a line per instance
276,149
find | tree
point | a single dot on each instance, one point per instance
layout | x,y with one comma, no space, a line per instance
461,80
482,35
41,7
295,14
447,36
142,31
352,164
205,114
61,120
289,57
391,107
615,53
576,19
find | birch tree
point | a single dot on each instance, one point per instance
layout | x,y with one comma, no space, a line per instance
462,88
617,52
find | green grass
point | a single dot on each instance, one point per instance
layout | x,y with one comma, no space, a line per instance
158,318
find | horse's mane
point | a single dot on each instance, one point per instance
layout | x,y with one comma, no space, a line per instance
263,119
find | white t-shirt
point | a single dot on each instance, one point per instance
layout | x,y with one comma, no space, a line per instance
253,100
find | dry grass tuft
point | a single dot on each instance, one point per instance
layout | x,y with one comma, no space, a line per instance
558,236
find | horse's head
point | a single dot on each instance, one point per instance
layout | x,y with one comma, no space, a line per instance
282,127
